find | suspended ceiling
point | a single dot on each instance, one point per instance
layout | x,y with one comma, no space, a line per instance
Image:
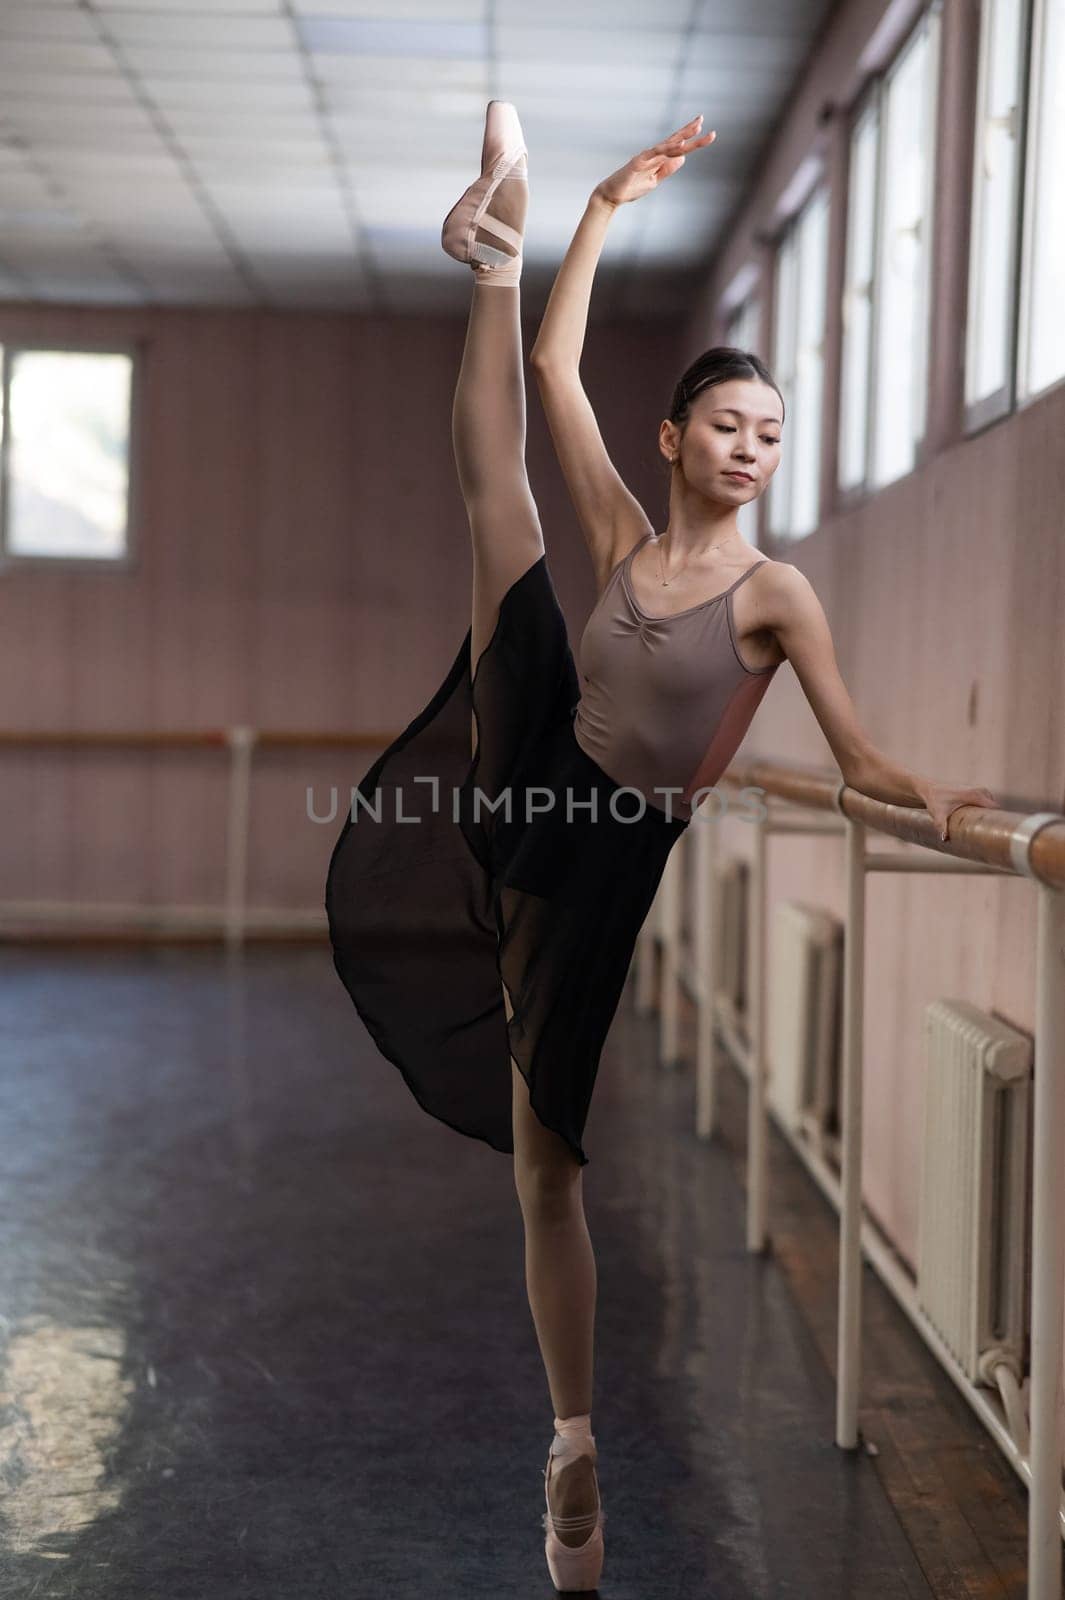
303,153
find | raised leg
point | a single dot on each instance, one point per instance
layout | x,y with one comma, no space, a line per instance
488,434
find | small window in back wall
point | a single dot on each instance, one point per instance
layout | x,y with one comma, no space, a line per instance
66,454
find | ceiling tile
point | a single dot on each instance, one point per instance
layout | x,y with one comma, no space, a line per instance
149,245
53,56
251,209
414,10
41,216
258,122
21,88
576,88
47,22
238,94
46,124
204,32
173,61
336,266
393,37
407,75
653,47
213,154
22,181
195,8
36,243
618,15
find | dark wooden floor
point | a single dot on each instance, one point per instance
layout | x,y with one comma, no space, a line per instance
263,1327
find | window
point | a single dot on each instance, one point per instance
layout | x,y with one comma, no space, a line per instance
1042,327
1015,336
65,454
857,303
886,289
798,367
989,334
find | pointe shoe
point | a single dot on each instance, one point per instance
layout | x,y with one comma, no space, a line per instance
573,1567
503,155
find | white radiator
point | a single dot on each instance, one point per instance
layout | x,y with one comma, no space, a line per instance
973,1225
805,973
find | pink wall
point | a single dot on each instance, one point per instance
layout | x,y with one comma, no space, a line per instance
302,562
944,592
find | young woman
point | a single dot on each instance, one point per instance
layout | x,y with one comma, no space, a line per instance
483,908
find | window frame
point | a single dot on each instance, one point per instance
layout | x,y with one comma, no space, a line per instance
873,94
816,188
929,18
1000,402
1031,175
867,103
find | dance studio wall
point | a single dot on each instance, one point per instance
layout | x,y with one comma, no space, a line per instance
944,592
301,562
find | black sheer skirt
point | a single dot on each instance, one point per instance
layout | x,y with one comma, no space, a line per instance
524,865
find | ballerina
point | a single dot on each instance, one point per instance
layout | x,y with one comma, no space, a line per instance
486,948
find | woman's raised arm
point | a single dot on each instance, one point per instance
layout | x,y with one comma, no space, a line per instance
611,518
562,328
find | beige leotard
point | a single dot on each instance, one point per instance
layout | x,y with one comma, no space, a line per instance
665,701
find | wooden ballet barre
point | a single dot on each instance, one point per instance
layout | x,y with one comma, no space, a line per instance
1026,845
1029,844
181,738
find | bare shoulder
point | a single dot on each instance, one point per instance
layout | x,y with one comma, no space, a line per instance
777,573
782,592
767,608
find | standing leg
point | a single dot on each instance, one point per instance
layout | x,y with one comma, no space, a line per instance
560,1280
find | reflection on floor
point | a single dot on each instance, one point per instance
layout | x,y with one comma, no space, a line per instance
263,1328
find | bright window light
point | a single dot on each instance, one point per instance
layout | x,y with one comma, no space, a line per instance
798,366
857,302
1042,344
900,365
995,199
805,420
66,453
778,495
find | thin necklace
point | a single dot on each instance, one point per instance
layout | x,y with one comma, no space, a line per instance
665,582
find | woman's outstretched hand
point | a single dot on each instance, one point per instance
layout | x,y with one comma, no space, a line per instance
647,170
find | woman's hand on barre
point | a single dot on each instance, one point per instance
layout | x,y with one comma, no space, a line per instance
940,799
